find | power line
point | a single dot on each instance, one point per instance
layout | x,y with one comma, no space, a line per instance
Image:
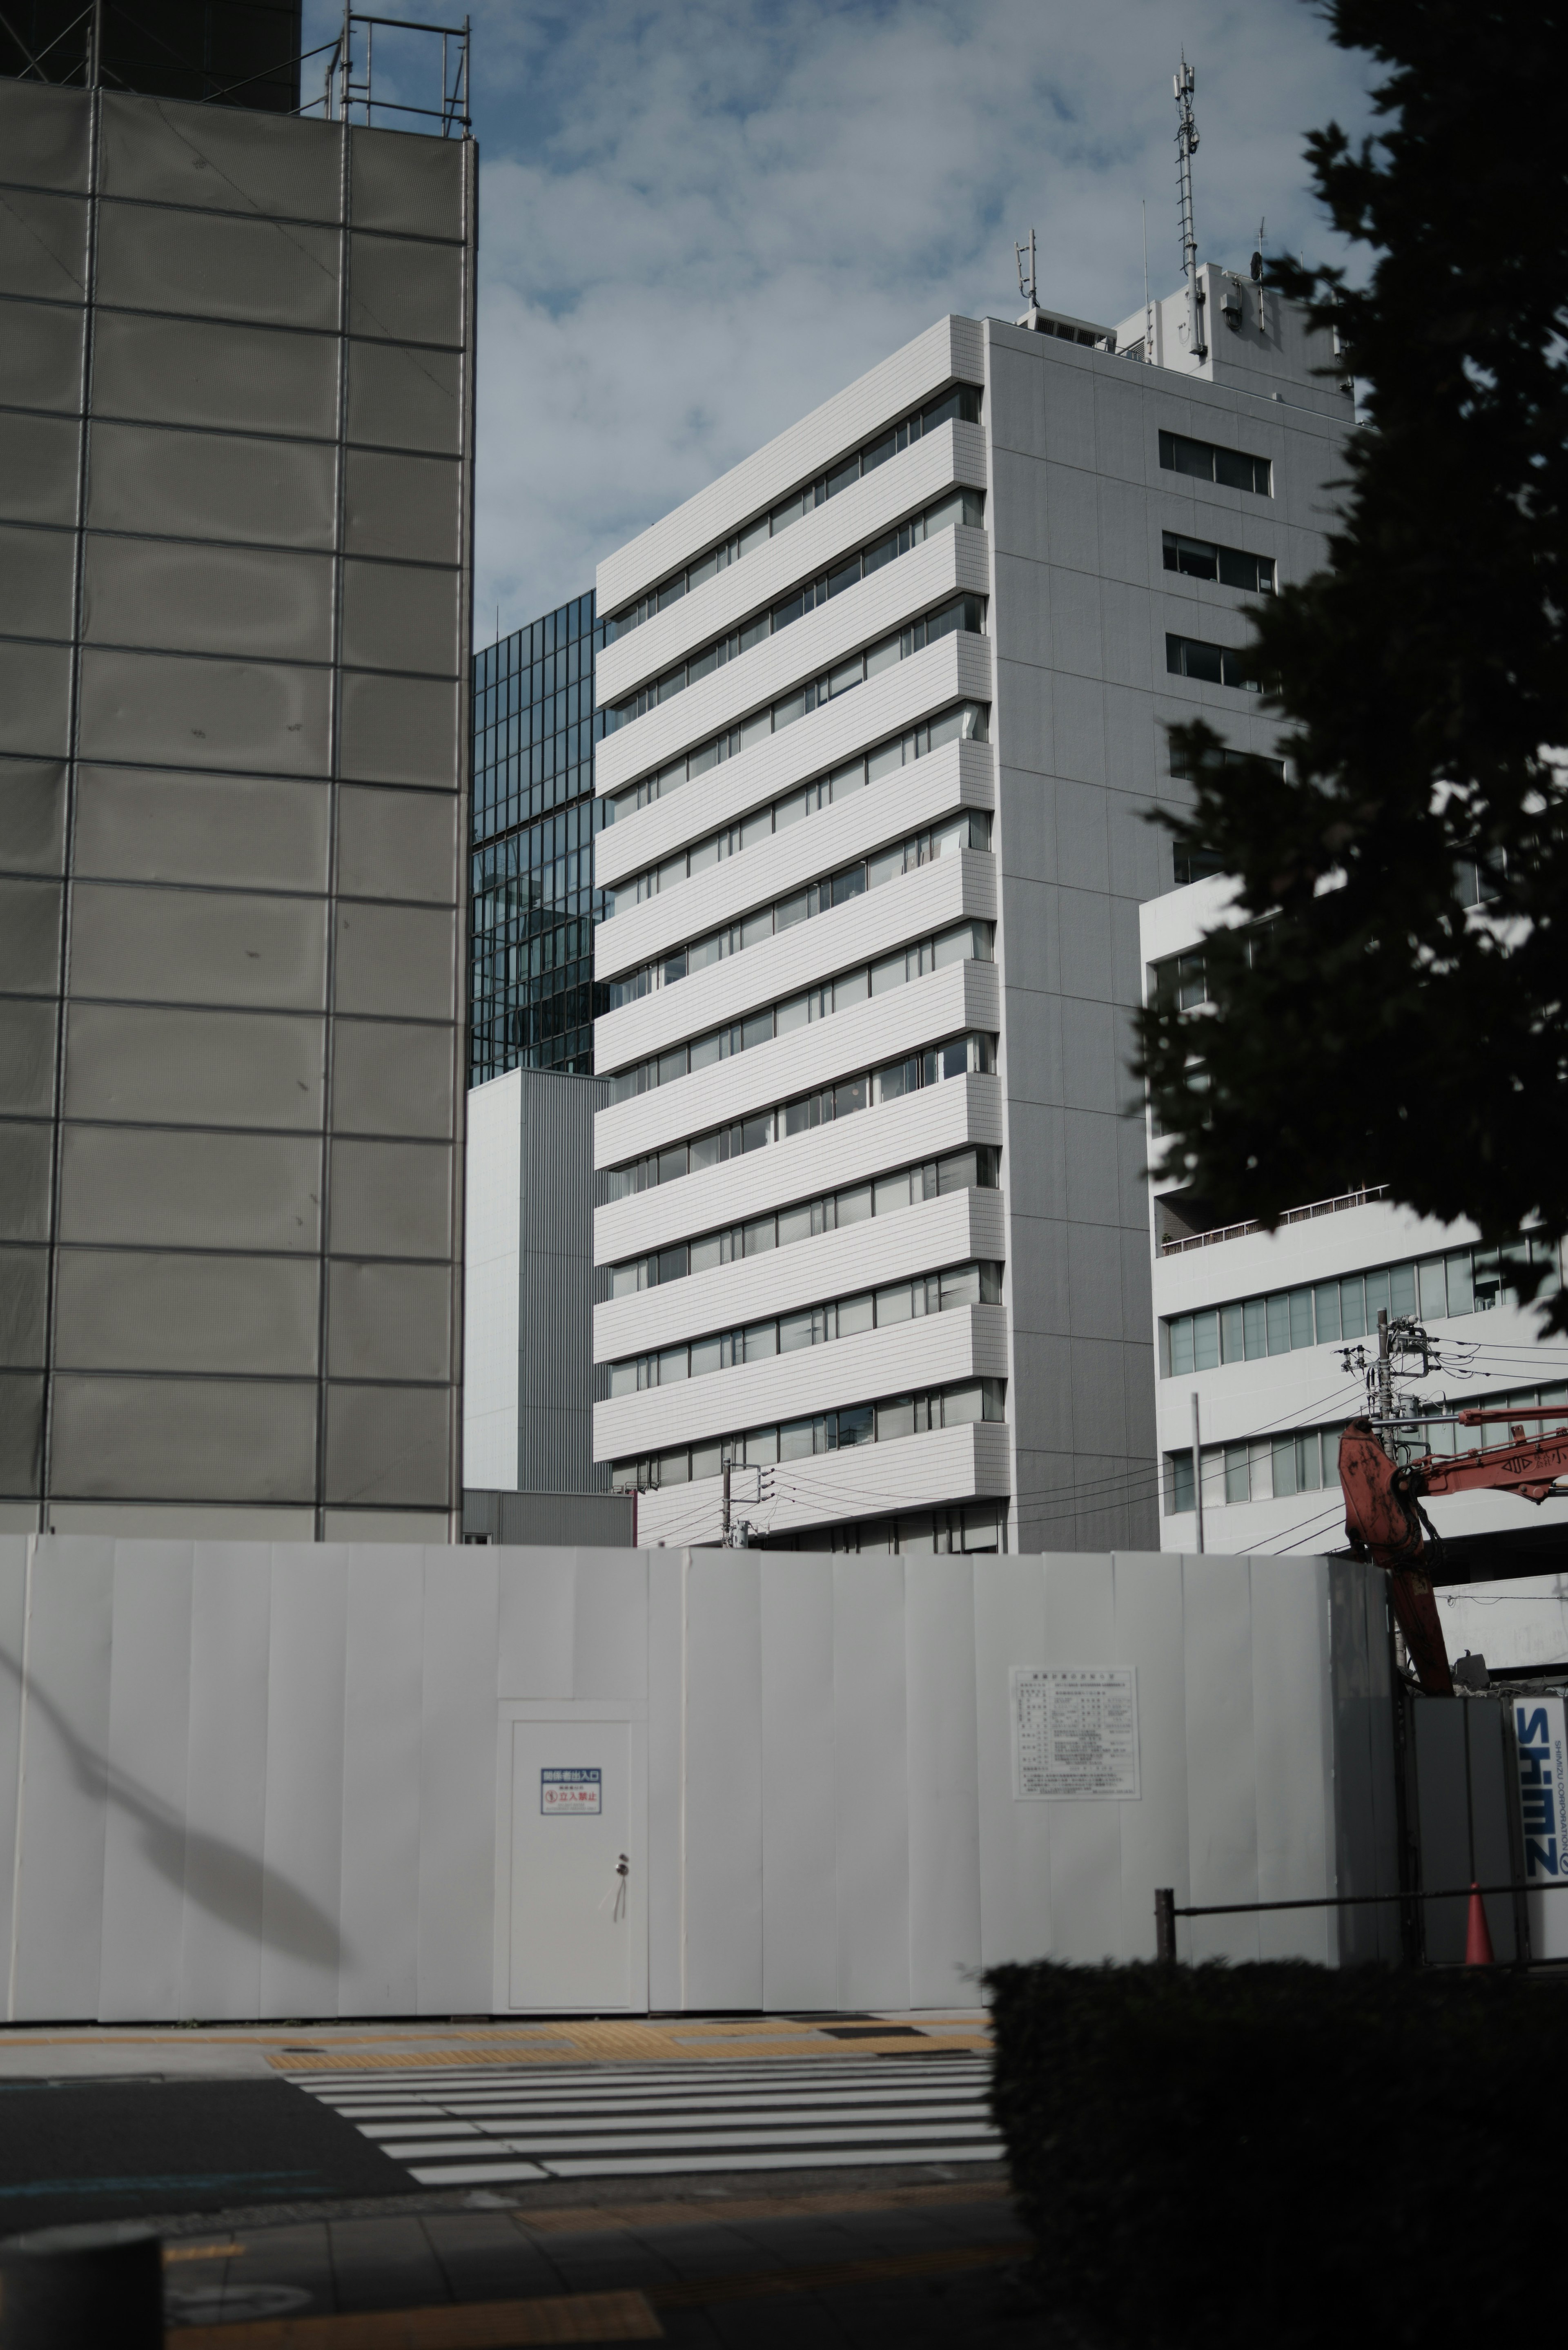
1316,1533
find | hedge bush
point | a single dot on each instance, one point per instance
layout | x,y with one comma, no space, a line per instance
1283,2155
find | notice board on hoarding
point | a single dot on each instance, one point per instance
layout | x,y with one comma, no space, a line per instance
1075,1732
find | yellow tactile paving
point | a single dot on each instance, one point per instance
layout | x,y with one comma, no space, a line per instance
941,2260
471,2325
331,2047
680,2038
740,2210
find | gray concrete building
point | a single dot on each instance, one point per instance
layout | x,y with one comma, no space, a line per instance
885,717
235,440
530,1382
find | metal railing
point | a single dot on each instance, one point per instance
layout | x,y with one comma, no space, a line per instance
348,81
1169,1246
1166,1912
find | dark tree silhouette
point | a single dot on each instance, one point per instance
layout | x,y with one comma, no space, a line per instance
1384,1034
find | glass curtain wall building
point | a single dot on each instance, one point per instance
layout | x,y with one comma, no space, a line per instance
534,904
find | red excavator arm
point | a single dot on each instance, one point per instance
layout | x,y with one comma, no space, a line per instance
1383,1522
1383,1517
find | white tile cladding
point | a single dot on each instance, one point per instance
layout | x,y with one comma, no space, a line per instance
957,668
952,350
927,577
931,897
967,1342
959,1228
921,1126
872,1481
905,802
944,1004
952,455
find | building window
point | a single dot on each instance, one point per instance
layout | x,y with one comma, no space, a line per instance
1196,558
1212,664
1180,983
966,722
1203,462
973,1526
1256,1468
1306,1461
968,830
812,1325
962,402
975,1169
965,1404
968,943
1328,1313
1194,864
959,506
969,1055
1476,884
1227,758
962,612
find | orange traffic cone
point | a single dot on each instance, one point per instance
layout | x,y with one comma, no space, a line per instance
1478,1940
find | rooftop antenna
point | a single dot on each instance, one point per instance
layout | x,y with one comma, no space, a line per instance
1258,274
1185,147
1026,280
1147,305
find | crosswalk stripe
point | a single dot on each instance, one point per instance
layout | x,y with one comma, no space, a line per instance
891,2101
544,2147
826,2158
605,2119
542,2079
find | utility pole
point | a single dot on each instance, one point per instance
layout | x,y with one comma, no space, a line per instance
1186,148
1198,1469
726,1529
1385,1384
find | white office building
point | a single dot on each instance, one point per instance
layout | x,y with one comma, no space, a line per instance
886,713
1256,1325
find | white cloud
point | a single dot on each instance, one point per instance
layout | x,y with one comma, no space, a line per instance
699,221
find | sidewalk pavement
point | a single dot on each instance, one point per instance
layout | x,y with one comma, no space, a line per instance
237,2051
869,2258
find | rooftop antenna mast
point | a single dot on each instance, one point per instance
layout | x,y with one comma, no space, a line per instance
1147,305
1258,274
1185,147
1027,285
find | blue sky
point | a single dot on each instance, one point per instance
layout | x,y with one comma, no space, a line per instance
698,221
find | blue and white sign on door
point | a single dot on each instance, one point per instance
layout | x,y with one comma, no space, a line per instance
570,1794
1540,1738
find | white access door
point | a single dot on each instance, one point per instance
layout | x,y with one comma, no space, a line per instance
572,1906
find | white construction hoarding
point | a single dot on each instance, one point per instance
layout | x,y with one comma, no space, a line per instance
252,1781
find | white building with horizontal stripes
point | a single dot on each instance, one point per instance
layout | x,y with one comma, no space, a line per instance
1257,1326
885,718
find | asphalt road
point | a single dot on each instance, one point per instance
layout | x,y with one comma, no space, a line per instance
276,2205
85,2149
